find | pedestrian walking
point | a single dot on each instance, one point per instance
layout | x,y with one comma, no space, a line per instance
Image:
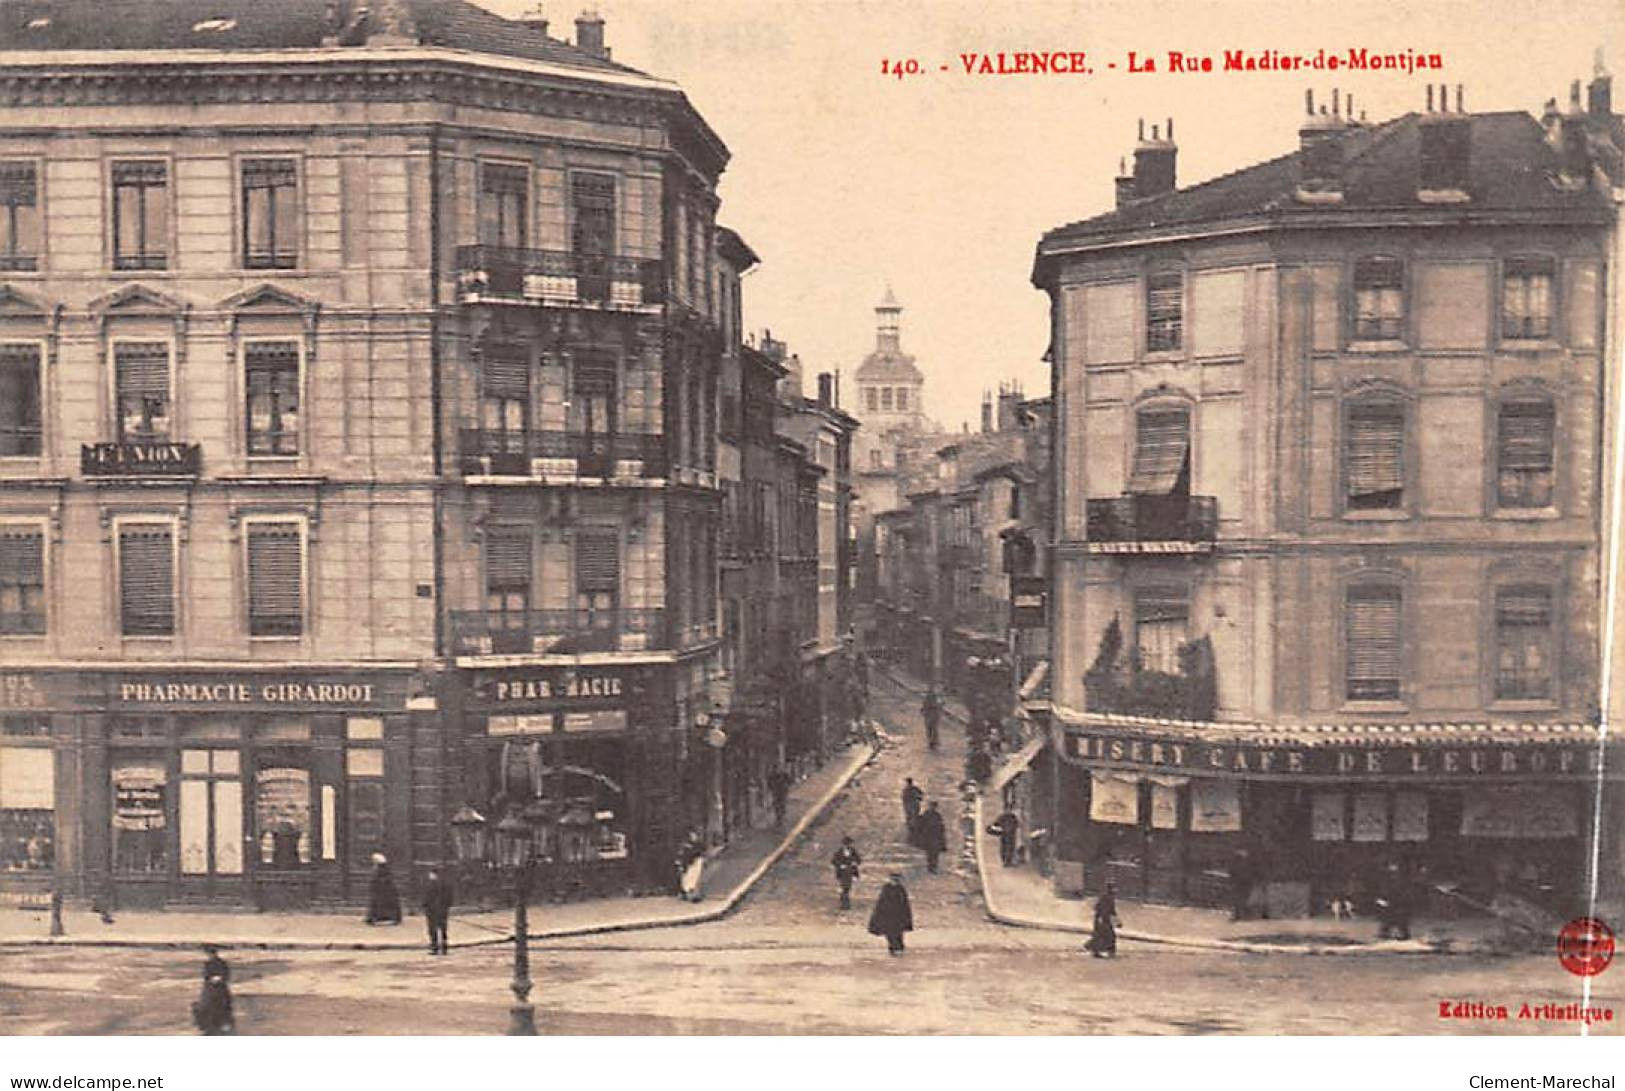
846,863
1241,885
383,896
437,900
978,764
1394,905
933,836
211,1011
913,800
892,915
1005,828
931,713
1103,936
778,786
691,867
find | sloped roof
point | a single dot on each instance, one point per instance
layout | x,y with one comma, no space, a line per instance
271,24
1510,169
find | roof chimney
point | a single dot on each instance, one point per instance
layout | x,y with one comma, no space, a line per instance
1320,152
987,412
1124,183
590,34
1154,162
826,390
1600,93
534,20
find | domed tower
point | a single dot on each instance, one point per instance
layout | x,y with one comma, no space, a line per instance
890,392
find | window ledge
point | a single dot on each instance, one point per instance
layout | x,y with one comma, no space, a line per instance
23,636
1527,515
1532,345
1375,706
1523,705
129,639
276,639
1163,356
1376,515
1376,346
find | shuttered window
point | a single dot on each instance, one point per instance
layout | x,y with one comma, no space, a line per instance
146,567
19,217
1373,639
271,377
1523,643
1524,454
141,378
507,576
1379,299
22,581
1164,311
504,194
1161,625
270,214
504,394
1161,450
275,579
1374,456
592,197
19,399
598,578
140,214
1526,297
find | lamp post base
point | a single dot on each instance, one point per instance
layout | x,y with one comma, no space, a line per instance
522,1021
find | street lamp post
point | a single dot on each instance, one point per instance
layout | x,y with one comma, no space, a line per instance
519,847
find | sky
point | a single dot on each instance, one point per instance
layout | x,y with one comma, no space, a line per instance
845,180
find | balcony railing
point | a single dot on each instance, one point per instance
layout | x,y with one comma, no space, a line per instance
140,458
614,456
1133,520
558,632
557,277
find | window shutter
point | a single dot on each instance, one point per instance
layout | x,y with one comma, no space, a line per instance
1524,606
592,191
17,184
1526,436
1379,273
275,580
142,368
507,557
1373,639
598,560
1161,602
265,173
146,559
1376,444
505,369
271,355
22,557
145,172
1161,441
593,373
504,178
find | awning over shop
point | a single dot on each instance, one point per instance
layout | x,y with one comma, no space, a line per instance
1017,763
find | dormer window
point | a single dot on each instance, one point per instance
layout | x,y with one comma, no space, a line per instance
1379,299
1164,311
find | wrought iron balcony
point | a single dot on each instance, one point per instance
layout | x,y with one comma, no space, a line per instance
559,278
612,456
1152,524
140,458
558,632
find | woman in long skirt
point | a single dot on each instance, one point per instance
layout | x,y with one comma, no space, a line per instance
1103,941
691,868
383,896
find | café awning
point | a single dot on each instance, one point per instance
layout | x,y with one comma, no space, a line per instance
1019,761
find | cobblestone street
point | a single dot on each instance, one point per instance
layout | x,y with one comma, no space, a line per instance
791,962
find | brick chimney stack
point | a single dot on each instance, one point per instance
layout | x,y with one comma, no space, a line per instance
1445,163
590,34
1154,160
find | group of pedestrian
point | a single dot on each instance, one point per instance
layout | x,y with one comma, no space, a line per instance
384,901
926,829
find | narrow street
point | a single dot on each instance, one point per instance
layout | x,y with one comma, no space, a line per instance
790,962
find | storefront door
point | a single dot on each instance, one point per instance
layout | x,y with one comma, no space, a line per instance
284,833
211,820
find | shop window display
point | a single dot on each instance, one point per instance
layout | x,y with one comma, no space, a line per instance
140,813
27,809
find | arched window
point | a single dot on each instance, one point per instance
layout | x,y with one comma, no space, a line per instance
1525,431
1374,455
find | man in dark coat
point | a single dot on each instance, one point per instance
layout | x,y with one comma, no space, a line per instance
1103,936
211,1012
1241,885
383,896
846,862
932,836
931,712
1394,905
913,800
437,911
778,786
1006,828
892,915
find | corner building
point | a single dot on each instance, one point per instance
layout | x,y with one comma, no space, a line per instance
1327,572
359,370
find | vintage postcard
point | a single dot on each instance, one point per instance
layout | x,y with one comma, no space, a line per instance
860,517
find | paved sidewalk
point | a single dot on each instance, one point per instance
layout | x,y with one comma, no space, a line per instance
729,877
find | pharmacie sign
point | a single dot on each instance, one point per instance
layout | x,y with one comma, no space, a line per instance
1433,761
216,691
527,687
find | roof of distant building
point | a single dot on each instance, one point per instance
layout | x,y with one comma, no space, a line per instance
894,367
275,24
1511,167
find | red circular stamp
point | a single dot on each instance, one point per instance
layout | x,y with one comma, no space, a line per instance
1585,946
